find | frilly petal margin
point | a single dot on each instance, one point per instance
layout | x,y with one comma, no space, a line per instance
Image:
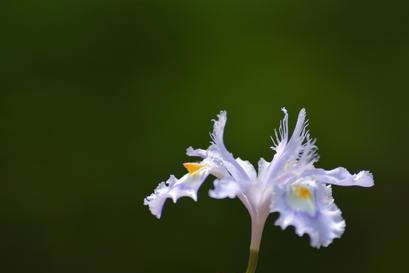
322,228
288,184
300,147
188,185
341,177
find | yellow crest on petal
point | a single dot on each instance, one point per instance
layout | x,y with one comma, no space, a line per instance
302,192
192,168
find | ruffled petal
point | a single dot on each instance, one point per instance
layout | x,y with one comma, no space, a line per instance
340,176
317,215
224,188
232,174
174,188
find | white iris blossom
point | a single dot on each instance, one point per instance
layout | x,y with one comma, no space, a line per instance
289,184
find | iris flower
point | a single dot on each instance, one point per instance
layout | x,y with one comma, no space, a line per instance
289,184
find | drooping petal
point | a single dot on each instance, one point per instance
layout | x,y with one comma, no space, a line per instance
224,188
232,173
174,188
310,208
340,176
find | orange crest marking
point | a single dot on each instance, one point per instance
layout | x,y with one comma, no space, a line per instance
192,168
303,192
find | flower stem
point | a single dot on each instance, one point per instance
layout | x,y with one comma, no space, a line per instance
257,226
252,264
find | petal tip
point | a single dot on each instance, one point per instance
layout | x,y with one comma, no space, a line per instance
365,179
302,113
221,117
189,150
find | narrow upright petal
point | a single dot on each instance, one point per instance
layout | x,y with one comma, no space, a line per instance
298,151
230,163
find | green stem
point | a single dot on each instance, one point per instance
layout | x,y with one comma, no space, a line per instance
252,264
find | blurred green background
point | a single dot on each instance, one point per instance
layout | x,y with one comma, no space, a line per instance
100,99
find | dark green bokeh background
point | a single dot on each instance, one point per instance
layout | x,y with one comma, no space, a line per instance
99,101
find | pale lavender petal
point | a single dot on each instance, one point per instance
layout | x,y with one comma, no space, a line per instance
225,188
248,168
340,176
186,186
299,149
230,163
323,224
